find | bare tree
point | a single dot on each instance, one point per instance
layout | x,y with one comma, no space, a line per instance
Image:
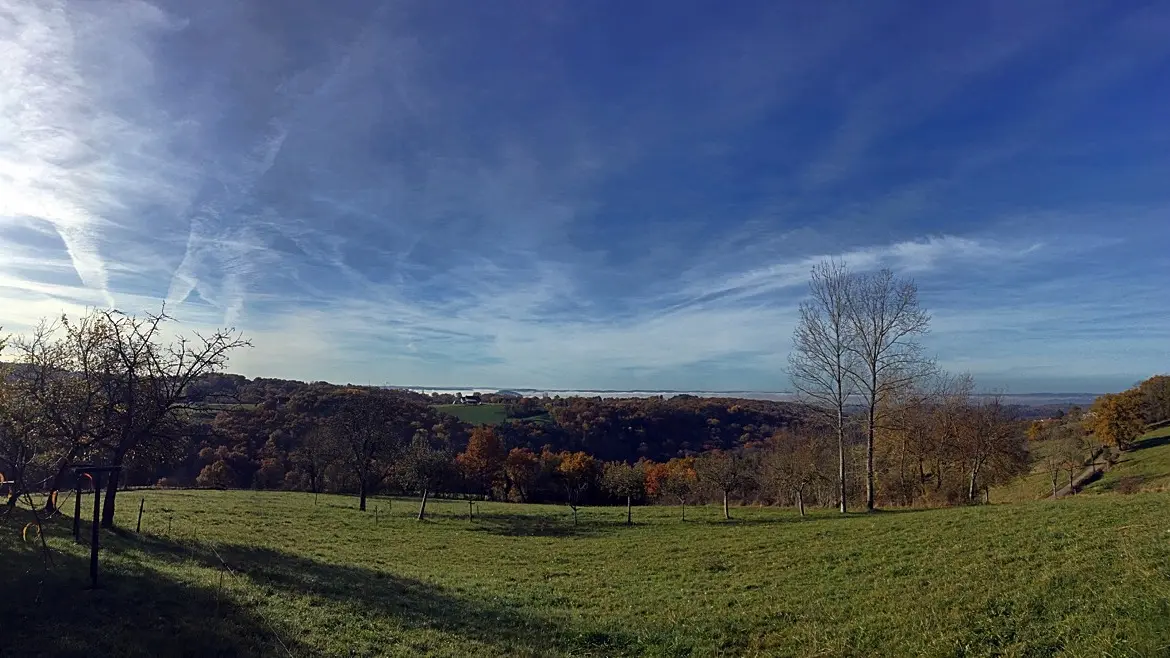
885,324
993,445
60,371
822,359
726,471
951,401
146,388
792,463
425,466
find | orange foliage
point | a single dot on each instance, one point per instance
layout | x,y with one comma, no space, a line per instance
521,467
666,479
484,459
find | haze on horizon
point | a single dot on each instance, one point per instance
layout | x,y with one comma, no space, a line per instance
592,195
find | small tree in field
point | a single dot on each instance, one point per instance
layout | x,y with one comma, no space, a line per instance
1069,453
792,464
622,480
577,472
726,471
425,467
674,480
369,429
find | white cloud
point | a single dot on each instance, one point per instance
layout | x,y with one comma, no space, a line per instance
75,150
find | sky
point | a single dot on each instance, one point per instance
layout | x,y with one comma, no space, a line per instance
620,195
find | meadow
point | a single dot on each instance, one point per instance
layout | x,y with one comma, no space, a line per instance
485,414
276,574
1144,467
475,414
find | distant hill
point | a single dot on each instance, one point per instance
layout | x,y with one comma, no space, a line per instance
1053,400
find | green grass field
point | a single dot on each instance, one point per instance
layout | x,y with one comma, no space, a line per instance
479,414
1086,576
1036,484
1144,467
484,414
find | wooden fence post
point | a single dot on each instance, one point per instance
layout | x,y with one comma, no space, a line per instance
94,537
77,512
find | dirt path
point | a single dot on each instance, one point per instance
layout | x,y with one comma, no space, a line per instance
1099,465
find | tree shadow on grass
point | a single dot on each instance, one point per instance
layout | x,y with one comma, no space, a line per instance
818,516
1155,442
521,525
135,611
408,603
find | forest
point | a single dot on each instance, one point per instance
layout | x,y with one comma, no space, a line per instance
878,423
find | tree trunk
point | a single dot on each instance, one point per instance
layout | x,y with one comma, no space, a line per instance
362,495
683,507
55,485
574,508
111,492
629,510
800,501
726,513
972,490
869,435
470,511
841,459
422,509
902,476
1071,476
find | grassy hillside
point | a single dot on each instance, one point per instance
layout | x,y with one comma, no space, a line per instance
1145,467
484,414
1036,484
1085,576
480,414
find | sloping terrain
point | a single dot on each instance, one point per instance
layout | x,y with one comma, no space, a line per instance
264,573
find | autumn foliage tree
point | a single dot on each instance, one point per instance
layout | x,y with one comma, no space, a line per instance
674,480
522,468
482,462
1116,418
577,472
216,475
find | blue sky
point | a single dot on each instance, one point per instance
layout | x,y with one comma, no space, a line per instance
592,194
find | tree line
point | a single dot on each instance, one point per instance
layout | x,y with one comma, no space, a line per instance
878,423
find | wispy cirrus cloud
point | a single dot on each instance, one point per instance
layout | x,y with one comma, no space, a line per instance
587,195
